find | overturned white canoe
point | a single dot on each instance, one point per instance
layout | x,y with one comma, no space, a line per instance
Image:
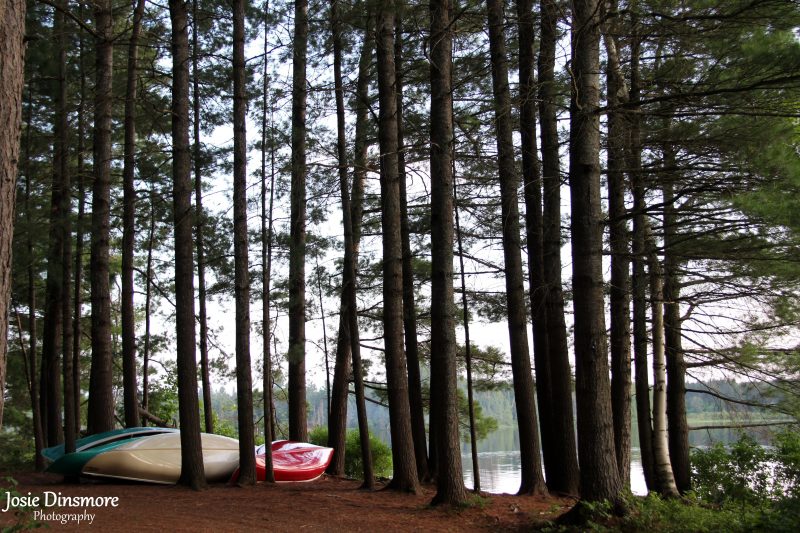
157,459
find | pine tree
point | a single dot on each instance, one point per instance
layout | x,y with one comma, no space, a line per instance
101,400
532,477
12,57
599,474
192,471
404,465
444,397
131,402
298,429
563,474
349,337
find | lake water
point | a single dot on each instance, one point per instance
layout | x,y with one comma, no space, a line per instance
499,463
500,471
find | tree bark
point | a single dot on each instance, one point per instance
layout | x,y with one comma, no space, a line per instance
349,337
532,481
532,180
205,375
77,326
192,470
65,208
148,297
405,471
409,305
563,476
12,60
266,258
32,355
337,421
131,403
639,281
473,437
56,289
101,399
678,428
665,482
244,380
444,385
599,474
298,429
620,253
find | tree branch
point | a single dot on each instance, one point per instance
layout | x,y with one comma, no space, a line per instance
69,14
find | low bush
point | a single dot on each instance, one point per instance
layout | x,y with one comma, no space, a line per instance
381,453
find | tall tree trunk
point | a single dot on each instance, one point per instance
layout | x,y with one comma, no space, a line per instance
101,399
532,478
31,365
563,475
77,304
77,326
337,421
473,437
65,350
148,297
205,375
639,281
357,208
298,429
342,368
599,474
444,384
665,482
266,257
131,402
57,271
12,78
620,252
192,471
244,380
676,367
532,179
70,414
409,304
349,338
405,471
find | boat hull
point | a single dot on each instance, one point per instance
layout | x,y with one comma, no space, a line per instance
55,453
292,462
157,459
87,448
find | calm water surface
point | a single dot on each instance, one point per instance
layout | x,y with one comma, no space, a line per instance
499,463
500,471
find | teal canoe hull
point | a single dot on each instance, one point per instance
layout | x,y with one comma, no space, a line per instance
71,464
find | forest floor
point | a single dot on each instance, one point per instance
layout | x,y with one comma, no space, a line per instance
328,504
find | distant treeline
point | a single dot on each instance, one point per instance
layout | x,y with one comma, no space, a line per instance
498,403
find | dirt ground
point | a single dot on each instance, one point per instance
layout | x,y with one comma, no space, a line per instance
328,504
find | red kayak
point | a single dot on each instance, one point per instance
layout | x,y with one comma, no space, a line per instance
292,461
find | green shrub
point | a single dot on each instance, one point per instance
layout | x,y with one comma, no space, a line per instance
740,474
673,515
756,488
381,453
18,452
787,459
